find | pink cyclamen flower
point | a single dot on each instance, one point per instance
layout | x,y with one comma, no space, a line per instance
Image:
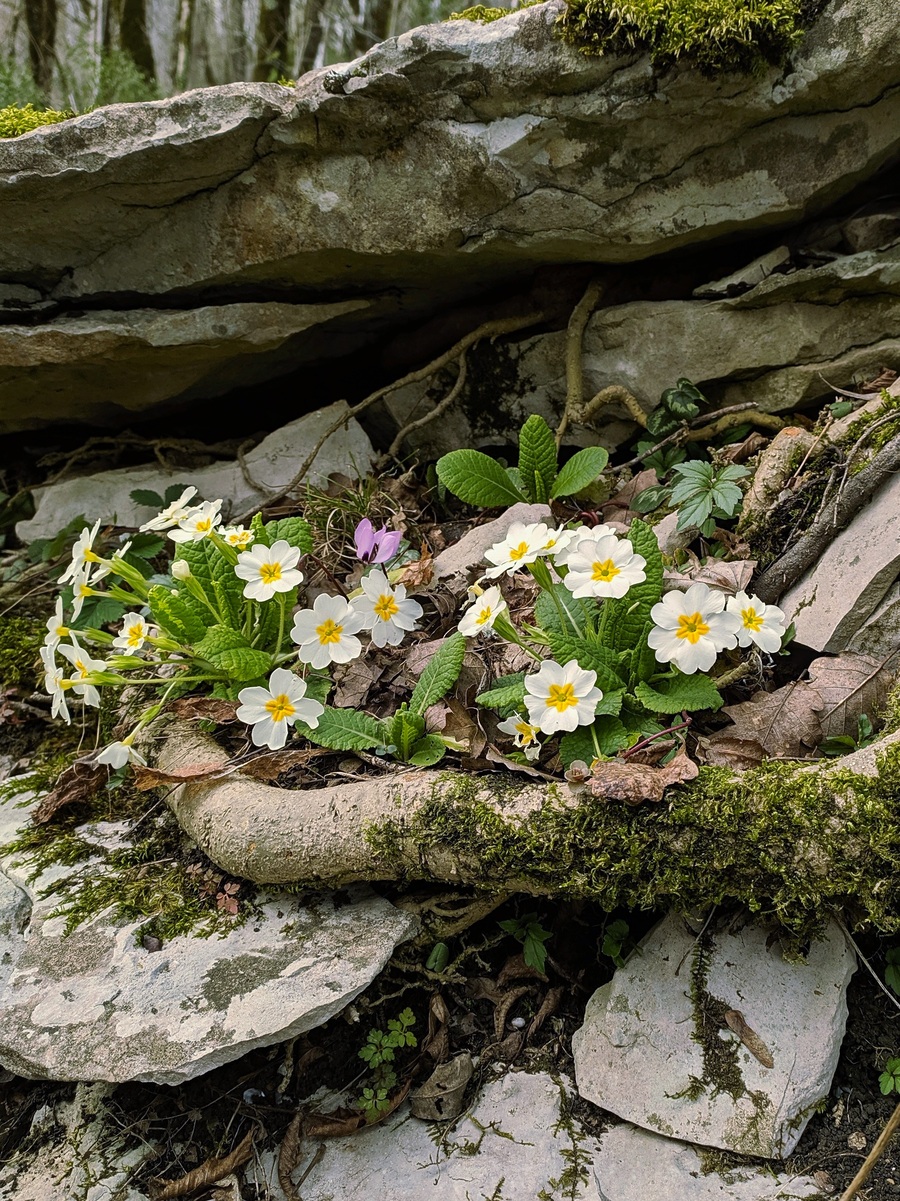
375,546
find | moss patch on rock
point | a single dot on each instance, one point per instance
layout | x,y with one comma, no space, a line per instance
17,119
20,642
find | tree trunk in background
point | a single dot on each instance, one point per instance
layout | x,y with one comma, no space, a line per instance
183,42
272,50
133,36
41,18
313,34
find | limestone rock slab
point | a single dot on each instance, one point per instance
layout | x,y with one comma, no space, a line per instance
102,367
831,603
633,1165
271,464
643,1054
464,561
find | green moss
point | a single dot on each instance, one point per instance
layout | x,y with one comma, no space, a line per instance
483,14
20,642
758,839
716,35
17,119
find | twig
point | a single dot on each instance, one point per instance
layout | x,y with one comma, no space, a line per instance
394,449
612,394
875,1154
786,570
490,329
574,340
639,746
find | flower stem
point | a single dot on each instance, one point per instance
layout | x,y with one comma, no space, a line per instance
660,734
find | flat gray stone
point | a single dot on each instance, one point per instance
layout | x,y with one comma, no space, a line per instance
271,464
831,603
879,634
515,1142
634,1165
636,1054
96,1006
457,566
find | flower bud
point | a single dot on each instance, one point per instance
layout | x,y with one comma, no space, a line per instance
181,570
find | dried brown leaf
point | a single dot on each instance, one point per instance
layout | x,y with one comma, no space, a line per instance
437,1042
516,968
505,1005
440,1098
289,1155
271,764
629,490
207,708
731,576
849,686
146,778
616,780
78,782
354,681
549,1006
724,750
207,1173
734,1019
784,723
418,574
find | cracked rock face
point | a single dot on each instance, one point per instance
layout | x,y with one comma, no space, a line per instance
96,1006
453,156
659,1049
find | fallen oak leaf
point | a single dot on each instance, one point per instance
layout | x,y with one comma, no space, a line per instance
783,723
146,778
440,1098
850,685
207,1173
614,780
733,575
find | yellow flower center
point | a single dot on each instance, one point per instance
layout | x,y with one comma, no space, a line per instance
484,615
518,552
136,635
561,697
280,708
605,571
62,631
82,670
329,631
270,572
526,732
240,540
385,607
204,525
85,590
751,619
89,556
692,628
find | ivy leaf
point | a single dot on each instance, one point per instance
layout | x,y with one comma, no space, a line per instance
507,696
344,730
580,472
537,458
477,479
440,673
674,693
428,751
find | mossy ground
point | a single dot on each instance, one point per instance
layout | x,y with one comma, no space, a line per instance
20,642
17,119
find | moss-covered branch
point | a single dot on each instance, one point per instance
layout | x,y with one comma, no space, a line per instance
783,839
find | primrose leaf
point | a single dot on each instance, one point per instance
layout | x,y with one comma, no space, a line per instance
294,530
344,730
177,615
547,615
622,621
537,458
591,656
584,467
406,729
428,751
477,479
611,737
674,693
440,673
229,650
507,696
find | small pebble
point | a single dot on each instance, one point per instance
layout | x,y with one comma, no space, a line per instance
517,1023
856,1141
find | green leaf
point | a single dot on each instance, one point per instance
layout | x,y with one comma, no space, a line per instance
611,736
547,615
477,479
592,656
622,621
173,492
177,616
507,696
661,422
580,472
674,693
145,496
344,730
293,530
440,673
533,950
228,650
644,663
146,546
537,458
428,751
258,528
651,498
403,731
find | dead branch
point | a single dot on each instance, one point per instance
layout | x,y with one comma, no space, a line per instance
874,1155
775,581
394,448
574,341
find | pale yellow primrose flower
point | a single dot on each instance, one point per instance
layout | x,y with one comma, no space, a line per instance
387,613
198,523
561,697
172,514
237,536
271,710
269,569
117,754
134,633
691,628
525,735
482,614
760,623
56,627
325,633
603,567
522,545
581,533
84,665
81,590
56,685
82,553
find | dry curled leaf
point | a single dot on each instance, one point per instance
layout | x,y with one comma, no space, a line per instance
440,1098
207,1173
271,764
437,1042
78,782
419,573
549,1006
146,778
734,1019
729,576
616,780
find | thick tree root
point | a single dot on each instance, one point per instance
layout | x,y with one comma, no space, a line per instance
791,840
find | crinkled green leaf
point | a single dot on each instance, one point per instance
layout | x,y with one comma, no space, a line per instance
477,479
590,655
428,751
507,696
344,730
537,458
258,528
547,615
179,615
404,730
228,650
440,673
674,693
584,467
147,497
293,530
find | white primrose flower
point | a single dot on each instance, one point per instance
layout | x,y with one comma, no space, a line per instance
197,523
387,613
522,545
603,567
103,569
134,633
172,514
482,614
82,553
237,536
558,541
525,735
117,754
692,627
269,569
81,590
56,685
84,665
581,533
561,698
760,623
270,710
56,627
325,633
